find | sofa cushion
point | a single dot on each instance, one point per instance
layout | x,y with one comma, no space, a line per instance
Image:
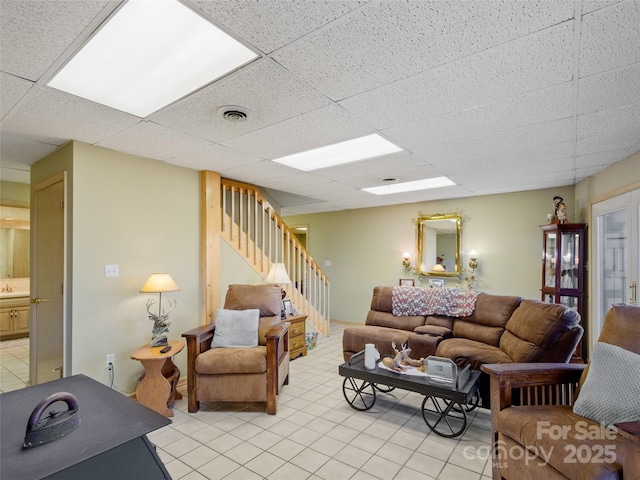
355,338
386,319
557,431
434,331
232,360
610,392
236,328
469,352
534,327
488,320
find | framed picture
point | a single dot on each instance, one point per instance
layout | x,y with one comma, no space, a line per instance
436,283
407,282
287,307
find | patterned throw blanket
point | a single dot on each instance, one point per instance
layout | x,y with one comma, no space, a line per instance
450,302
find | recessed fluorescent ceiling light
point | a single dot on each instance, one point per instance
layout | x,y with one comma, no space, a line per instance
148,55
340,153
425,184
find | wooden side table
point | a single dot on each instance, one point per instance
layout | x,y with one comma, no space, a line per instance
297,340
156,387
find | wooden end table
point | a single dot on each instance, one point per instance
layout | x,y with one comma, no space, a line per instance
297,335
156,387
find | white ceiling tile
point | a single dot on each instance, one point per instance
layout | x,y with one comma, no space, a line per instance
610,38
254,20
395,40
592,5
257,172
601,159
609,141
12,89
609,90
152,140
33,34
370,179
214,158
316,189
308,209
524,65
47,112
21,151
528,137
269,93
379,167
286,198
320,127
295,181
528,109
613,120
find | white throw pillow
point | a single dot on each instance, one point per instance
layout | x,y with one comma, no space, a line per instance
236,328
611,390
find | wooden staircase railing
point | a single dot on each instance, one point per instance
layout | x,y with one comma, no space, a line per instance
252,227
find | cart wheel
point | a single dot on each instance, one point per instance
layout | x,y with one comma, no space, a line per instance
384,388
360,394
441,417
471,406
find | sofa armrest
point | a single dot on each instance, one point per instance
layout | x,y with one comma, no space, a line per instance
277,354
198,341
535,383
630,433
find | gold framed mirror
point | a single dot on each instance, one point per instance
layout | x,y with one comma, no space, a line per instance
438,244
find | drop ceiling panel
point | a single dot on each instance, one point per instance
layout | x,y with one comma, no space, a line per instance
47,112
12,89
415,36
256,172
20,151
214,158
152,140
269,93
295,181
610,141
253,20
609,121
528,137
534,62
317,128
528,109
610,38
34,34
379,167
612,89
320,188
603,159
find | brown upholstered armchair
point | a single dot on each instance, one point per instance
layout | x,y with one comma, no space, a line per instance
241,374
536,433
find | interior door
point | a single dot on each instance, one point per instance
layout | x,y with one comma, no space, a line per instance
616,261
47,284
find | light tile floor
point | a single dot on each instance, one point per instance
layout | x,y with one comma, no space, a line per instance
315,435
14,364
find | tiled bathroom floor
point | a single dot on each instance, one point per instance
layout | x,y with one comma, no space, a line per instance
14,364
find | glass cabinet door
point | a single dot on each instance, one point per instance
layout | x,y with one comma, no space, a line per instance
550,259
570,260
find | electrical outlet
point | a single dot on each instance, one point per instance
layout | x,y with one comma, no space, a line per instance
110,361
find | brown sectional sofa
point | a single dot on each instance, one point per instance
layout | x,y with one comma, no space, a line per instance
502,329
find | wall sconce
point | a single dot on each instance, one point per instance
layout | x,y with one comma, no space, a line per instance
473,259
406,262
469,273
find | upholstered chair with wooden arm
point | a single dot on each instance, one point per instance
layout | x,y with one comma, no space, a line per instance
549,420
240,373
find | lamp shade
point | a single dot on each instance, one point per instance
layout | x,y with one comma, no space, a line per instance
159,283
278,274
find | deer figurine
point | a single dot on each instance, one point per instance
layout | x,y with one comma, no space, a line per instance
160,322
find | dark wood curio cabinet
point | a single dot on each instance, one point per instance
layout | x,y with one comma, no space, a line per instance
564,268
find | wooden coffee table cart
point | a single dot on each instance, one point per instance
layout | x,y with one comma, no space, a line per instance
445,405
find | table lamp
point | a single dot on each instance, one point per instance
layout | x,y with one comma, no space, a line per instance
160,283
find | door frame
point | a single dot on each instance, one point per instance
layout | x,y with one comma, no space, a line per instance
594,281
33,359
